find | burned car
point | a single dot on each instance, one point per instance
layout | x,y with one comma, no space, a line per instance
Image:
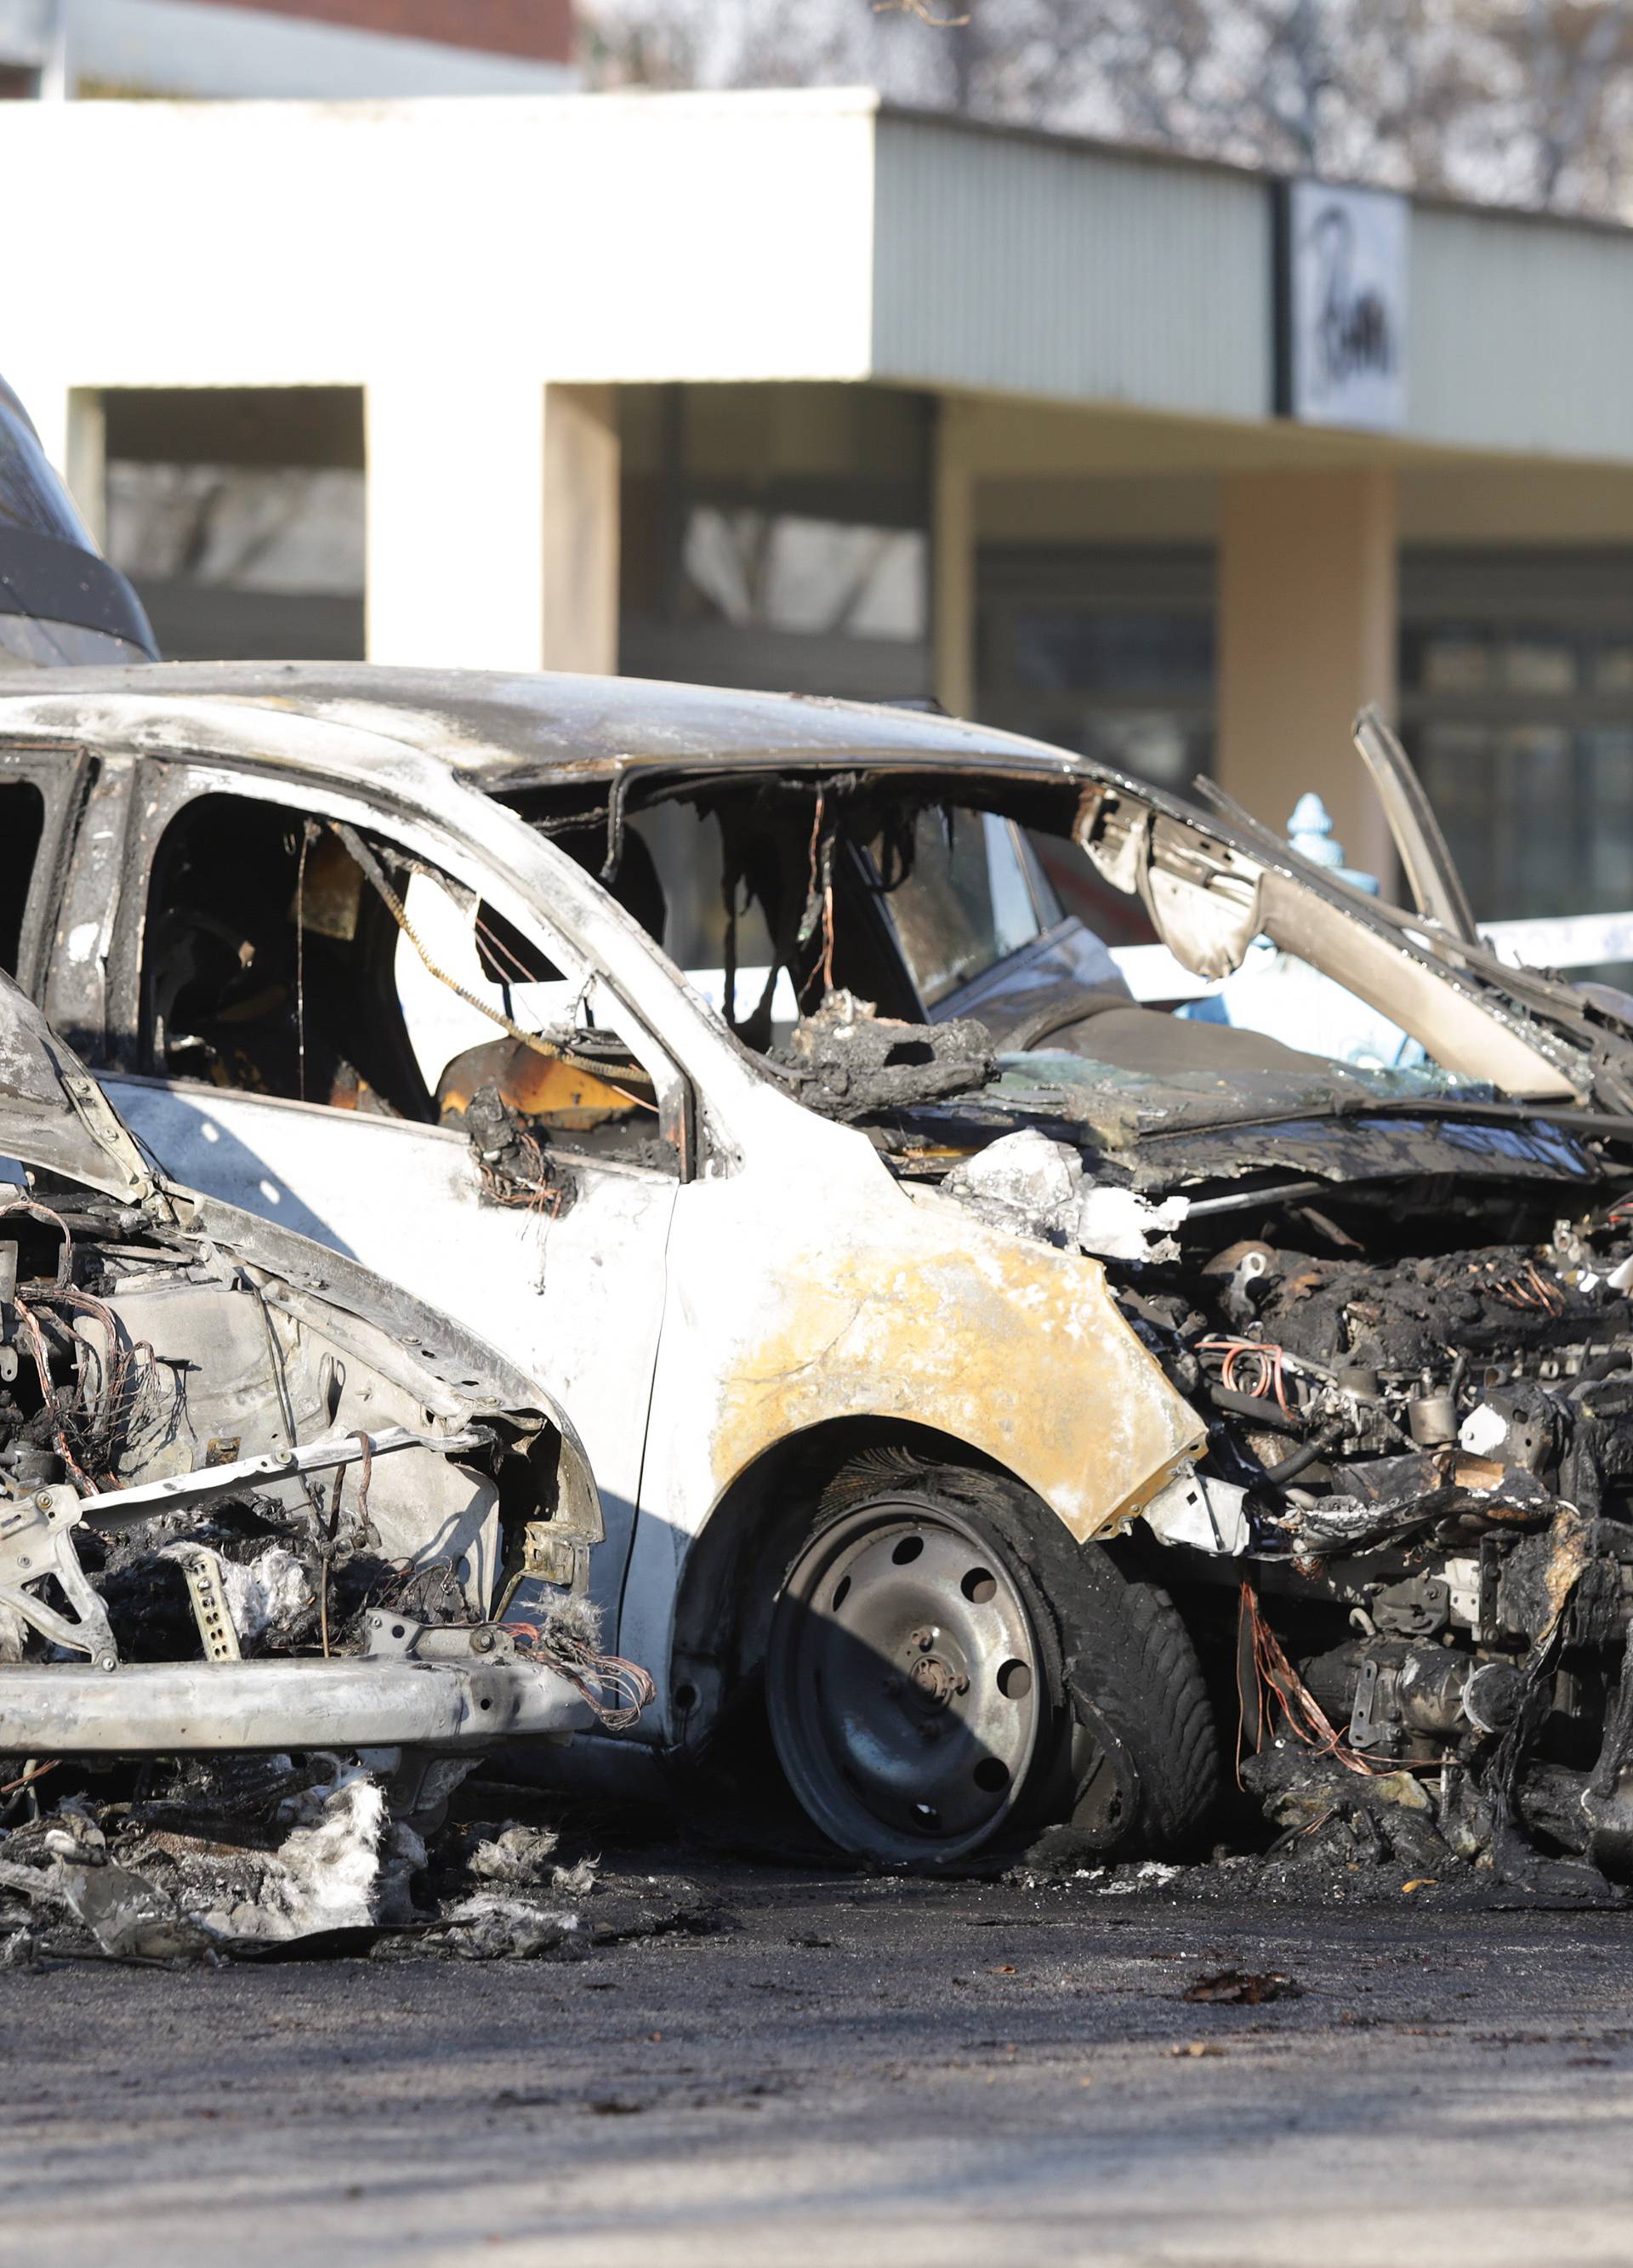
252,1499
1012,1394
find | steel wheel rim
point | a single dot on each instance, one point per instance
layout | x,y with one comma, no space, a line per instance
905,1683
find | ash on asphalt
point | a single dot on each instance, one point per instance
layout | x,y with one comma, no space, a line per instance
846,2067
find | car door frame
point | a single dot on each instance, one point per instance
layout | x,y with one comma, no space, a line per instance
63,777
169,781
162,798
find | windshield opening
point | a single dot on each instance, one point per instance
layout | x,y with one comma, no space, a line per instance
969,892
962,906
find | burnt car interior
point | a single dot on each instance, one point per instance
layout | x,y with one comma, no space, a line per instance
274,964
900,892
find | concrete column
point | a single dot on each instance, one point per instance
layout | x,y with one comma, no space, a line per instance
952,569
1307,633
492,523
85,453
581,528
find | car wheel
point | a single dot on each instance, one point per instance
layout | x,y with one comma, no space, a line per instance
946,1669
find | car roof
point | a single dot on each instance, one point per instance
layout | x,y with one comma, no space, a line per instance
511,731
421,736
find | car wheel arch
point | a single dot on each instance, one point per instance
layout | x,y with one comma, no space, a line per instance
723,1604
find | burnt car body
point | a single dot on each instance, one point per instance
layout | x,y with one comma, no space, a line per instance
252,1498
994,1381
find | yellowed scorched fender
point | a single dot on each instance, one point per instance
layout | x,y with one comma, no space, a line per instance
1011,1346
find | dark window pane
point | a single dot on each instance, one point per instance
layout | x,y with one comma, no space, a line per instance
22,821
965,902
1056,648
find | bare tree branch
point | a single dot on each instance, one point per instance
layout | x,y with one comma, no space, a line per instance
921,10
1519,101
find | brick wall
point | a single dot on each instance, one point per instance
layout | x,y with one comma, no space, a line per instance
541,30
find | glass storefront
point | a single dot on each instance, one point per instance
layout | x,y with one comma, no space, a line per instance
238,514
1515,695
1516,700
1109,652
778,537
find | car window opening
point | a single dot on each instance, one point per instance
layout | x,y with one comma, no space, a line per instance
22,823
926,953
773,894
302,960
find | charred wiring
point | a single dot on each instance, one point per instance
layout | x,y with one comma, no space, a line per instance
1418,1486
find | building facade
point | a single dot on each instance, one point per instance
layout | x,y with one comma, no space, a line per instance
1163,460
316,48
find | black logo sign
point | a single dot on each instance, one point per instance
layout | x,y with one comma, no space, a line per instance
1353,333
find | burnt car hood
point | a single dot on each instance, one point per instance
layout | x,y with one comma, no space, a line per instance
1211,887
1340,1124
1197,1133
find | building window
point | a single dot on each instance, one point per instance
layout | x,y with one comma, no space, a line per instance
785,571
778,537
1516,699
238,514
1515,694
1109,652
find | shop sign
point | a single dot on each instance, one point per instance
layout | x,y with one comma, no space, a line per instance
1342,258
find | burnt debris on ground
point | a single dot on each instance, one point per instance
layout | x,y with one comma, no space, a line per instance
267,1581
268,1857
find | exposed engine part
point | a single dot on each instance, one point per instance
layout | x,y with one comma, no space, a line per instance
334,1587
1434,1449
1206,1513
1385,1688
1431,1417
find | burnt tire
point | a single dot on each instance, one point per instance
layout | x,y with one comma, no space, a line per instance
947,1671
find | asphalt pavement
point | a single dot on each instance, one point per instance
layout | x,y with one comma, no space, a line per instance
804,2068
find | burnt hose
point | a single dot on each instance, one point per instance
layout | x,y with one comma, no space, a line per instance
1602,1367
1268,1414
1308,1454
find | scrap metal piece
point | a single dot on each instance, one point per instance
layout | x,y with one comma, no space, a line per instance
552,1557
213,1483
1207,1514
193,1708
36,1540
1430,871
218,1633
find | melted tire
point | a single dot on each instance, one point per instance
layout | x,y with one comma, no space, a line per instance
1127,1755
1139,1692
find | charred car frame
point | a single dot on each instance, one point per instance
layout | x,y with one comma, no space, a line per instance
252,1500
996,1383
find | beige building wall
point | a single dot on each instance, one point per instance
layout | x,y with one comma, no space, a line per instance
1306,634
